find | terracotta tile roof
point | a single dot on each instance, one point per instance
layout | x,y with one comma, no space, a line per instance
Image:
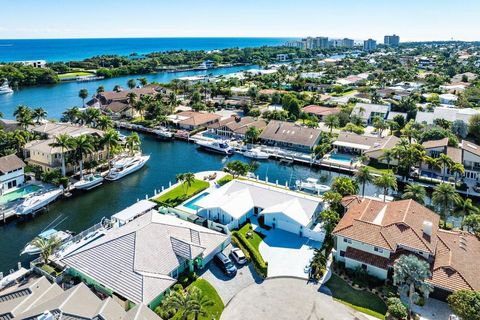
197,118
455,154
435,143
455,264
10,162
320,111
117,106
368,258
122,95
288,132
389,224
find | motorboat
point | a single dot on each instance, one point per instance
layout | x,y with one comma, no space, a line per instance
126,166
37,201
163,134
216,146
5,88
311,184
88,182
256,154
201,67
62,236
76,243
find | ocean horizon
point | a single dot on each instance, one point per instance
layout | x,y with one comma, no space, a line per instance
55,50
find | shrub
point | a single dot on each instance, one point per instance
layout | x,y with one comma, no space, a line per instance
225,180
186,278
396,308
260,265
239,244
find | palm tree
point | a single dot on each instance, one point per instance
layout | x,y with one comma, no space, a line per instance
47,247
91,116
100,89
72,115
133,143
39,114
362,176
24,116
200,303
444,162
180,302
63,141
131,96
18,139
331,121
172,102
386,181
188,180
415,191
143,81
110,140
82,145
465,208
83,94
388,155
104,122
444,197
132,83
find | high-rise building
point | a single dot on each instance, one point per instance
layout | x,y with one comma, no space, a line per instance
347,43
392,41
369,45
321,43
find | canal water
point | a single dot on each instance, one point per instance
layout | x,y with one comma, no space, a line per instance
167,159
56,98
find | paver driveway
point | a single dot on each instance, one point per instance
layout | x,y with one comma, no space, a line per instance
287,254
286,298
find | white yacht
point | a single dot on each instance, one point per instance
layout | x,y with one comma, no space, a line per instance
126,166
37,201
216,146
311,184
5,88
89,181
75,243
163,133
63,236
256,154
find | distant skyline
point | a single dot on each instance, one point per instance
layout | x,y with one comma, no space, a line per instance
419,20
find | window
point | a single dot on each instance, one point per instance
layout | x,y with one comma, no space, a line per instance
347,240
342,253
377,249
364,266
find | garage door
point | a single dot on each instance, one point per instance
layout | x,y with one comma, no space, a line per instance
288,226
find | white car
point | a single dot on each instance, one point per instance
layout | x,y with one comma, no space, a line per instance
238,255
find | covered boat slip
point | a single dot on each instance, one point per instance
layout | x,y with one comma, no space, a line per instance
132,212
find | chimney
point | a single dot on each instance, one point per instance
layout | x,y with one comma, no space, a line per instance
427,228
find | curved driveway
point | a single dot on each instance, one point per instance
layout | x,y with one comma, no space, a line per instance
286,298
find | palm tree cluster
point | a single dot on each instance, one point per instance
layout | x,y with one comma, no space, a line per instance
187,304
186,179
91,117
47,247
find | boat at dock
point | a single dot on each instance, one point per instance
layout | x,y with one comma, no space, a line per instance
216,146
125,166
5,88
256,154
38,201
163,134
88,182
62,236
311,184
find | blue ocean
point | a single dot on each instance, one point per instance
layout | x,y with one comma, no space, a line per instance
54,50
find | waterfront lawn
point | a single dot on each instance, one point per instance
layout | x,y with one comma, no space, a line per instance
177,195
214,311
360,300
74,74
377,167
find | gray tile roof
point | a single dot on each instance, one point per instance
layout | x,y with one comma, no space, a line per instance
10,162
135,260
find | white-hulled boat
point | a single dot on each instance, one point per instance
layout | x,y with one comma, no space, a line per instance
62,236
73,245
126,166
5,88
216,146
256,154
89,181
311,184
37,201
163,134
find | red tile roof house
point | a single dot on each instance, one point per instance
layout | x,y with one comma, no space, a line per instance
236,126
319,111
191,120
373,234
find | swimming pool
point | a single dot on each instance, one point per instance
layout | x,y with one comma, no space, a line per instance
191,204
18,193
341,157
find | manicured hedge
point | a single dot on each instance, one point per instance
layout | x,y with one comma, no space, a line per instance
239,244
260,265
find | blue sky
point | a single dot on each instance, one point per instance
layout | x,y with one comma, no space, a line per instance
413,20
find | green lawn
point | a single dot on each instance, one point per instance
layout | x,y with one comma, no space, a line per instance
361,300
74,74
255,239
225,179
177,195
216,310
379,168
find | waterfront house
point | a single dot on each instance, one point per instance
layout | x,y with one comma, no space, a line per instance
38,298
368,111
236,127
448,98
140,261
373,234
320,112
191,120
12,173
446,113
10,125
291,136
235,202
48,157
356,144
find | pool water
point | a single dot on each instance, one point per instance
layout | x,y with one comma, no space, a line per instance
341,158
18,193
191,204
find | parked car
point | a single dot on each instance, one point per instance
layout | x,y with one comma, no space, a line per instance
225,264
238,255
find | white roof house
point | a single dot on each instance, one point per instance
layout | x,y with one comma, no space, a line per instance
132,212
140,260
450,114
448,98
238,200
367,111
